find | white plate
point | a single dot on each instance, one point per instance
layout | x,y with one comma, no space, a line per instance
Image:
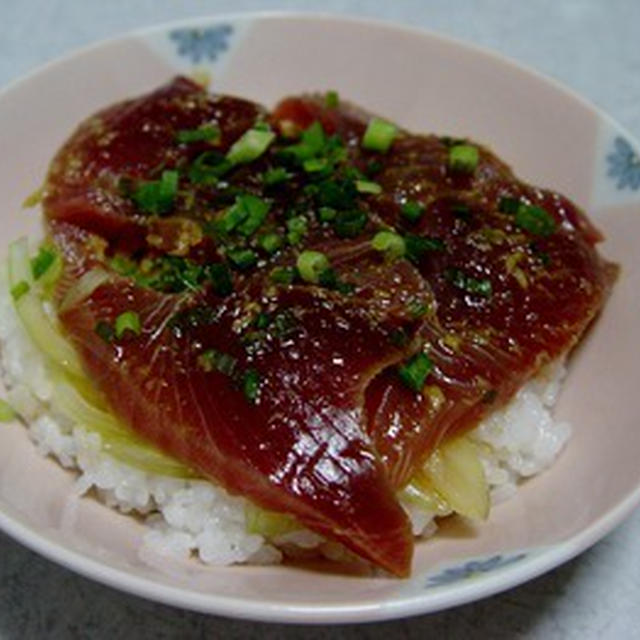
426,83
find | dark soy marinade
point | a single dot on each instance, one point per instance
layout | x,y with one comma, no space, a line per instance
301,304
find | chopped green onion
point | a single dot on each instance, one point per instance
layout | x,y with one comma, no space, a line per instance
414,372
208,168
312,142
202,134
123,265
261,321
251,385
349,224
331,99
220,278
274,176
127,321
390,243
7,414
246,215
327,214
311,264
412,210
243,258
417,309
257,210
233,216
43,261
379,135
339,194
222,362
157,196
536,220
367,186
418,246
315,165
19,289
463,158
104,330
270,242
297,229
461,280
251,145
283,275
34,198
509,205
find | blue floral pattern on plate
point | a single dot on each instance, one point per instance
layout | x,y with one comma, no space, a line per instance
472,569
624,165
202,44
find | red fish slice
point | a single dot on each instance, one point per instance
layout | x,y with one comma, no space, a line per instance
544,289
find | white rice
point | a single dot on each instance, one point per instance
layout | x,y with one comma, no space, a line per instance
189,517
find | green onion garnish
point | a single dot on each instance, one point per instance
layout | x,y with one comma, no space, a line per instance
220,278
270,242
509,205
349,224
379,135
257,210
157,196
296,229
463,158
415,371
250,145
274,176
42,262
312,142
104,330
326,214
311,264
222,362
339,194
418,246
7,414
261,321
127,321
245,215
367,186
331,99
536,220
208,168
202,134
389,243
412,210
242,258
251,385
461,280
315,165
417,309
283,275
20,289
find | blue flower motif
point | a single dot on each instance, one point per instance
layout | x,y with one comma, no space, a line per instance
624,165
202,44
472,569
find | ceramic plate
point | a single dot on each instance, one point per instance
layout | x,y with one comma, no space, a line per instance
425,83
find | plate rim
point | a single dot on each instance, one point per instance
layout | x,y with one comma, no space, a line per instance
437,599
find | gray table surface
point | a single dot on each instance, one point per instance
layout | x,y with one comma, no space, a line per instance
591,46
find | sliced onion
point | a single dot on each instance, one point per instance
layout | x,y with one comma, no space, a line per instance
85,286
119,441
30,311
